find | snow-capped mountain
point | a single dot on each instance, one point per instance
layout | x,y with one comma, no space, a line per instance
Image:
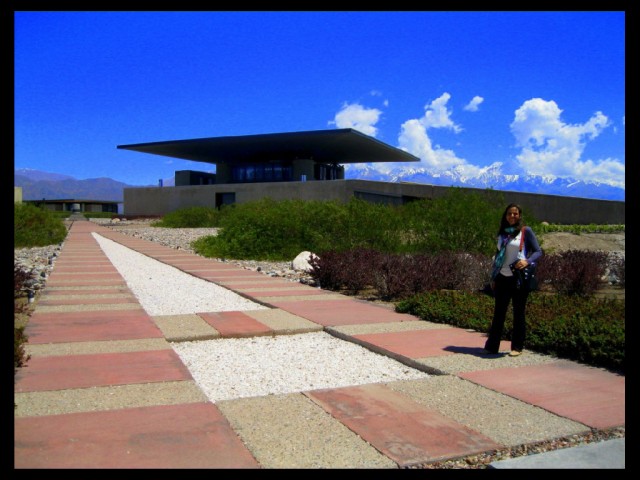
491,177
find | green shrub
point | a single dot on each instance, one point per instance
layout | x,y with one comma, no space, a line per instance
36,227
586,329
578,229
451,307
459,221
278,230
192,217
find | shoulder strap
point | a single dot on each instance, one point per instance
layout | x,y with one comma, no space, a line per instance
521,238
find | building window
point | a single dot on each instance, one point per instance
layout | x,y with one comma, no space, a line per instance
323,171
262,172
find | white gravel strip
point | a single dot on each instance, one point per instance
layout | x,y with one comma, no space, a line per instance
165,290
238,368
232,368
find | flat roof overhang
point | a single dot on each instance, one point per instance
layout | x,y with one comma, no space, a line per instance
324,146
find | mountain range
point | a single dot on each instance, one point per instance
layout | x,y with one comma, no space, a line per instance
37,184
494,179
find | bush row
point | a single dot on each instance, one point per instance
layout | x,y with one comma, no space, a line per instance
36,227
396,276
280,230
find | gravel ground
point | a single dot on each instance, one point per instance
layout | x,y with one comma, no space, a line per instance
270,365
164,290
285,364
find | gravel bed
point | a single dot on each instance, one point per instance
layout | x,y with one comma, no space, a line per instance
233,368
182,238
247,367
165,290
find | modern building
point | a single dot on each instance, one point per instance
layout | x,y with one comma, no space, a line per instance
77,205
310,165
276,157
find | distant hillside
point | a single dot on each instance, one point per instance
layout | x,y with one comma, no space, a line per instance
37,185
37,175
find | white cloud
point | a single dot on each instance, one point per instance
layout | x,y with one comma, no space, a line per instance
357,117
552,147
549,147
436,114
414,139
473,105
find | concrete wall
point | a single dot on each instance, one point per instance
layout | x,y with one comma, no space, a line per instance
156,201
551,208
193,177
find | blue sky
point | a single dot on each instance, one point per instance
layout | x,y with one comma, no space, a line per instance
525,92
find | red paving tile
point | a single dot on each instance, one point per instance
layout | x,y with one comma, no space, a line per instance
194,435
87,301
85,276
75,266
101,369
208,268
235,324
48,292
91,326
399,427
249,283
78,270
592,396
341,312
291,292
428,343
60,281
229,275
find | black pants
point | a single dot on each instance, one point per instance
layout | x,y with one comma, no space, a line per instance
505,292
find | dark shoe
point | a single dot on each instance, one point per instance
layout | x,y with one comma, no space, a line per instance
488,352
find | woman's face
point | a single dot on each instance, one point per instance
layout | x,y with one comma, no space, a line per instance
513,215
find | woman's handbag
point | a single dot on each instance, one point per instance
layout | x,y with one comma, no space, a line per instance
525,277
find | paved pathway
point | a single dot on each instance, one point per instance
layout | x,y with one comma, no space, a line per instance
104,388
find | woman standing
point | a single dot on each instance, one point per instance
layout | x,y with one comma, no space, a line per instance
503,282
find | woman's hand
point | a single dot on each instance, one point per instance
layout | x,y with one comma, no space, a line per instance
522,263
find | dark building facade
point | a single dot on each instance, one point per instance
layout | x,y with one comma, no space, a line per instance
77,205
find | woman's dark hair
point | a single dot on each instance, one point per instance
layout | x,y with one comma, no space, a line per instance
504,223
